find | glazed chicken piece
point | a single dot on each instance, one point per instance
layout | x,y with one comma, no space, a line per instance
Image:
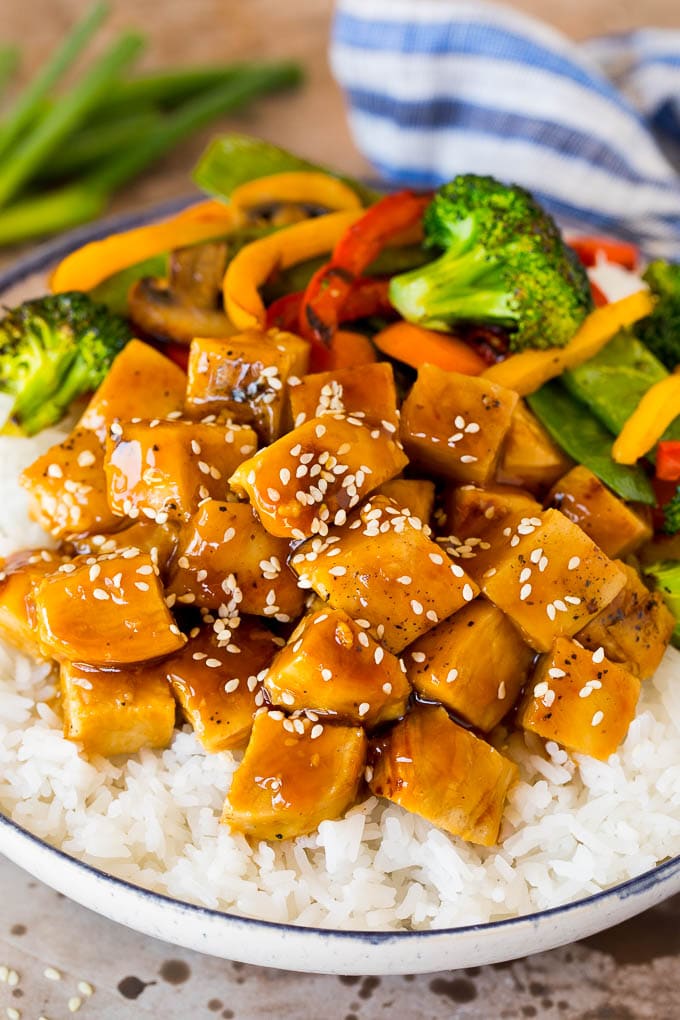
295,773
530,459
634,629
224,547
163,469
580,699
139,371
382,568
311,477
475,664
216,682
460,787
107,610
551,579
332,666
366,392
158,540
116,711
67,487
454,425
244,379
20,573
611,523
413,494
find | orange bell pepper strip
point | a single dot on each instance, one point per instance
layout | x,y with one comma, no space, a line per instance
300,187
659,406
84,268
349,349
416,346
255,262
363,241
527,371
368,296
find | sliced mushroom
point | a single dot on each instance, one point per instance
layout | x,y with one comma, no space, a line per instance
189,302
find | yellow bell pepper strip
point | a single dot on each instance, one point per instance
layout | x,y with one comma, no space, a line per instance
255,262
295,187
84,268
658,408
529,370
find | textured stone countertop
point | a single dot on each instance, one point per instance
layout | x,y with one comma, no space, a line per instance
629,973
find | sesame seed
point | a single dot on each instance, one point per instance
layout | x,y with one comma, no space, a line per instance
364,708
387,688
12,1013
573,563
550,610
598,654
525,592
378,655
213,663
274,494
416,607
542,563
52,974
556,673
468,593
541,689
436,558
597,718
100,594
316,731
86,458
85,988
501,690
536,555
12,978
418,656
525,575
287,698
326,674
74,1004
451,676
404,579
467,458
231,685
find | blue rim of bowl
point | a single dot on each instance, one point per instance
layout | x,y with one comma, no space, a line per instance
41,258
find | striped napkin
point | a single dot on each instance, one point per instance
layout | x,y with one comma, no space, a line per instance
440,87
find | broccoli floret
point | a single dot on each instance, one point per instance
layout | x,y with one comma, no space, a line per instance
504,264
52,350
660,331
671,514
667,577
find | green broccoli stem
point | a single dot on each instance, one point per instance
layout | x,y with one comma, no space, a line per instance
48,135
667,577
38,415
454,288
34,405
30,102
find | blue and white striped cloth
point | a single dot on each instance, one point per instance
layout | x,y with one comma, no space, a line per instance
440,87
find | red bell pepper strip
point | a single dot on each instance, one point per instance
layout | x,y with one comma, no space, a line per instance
329,288
367,296
621,252
668,460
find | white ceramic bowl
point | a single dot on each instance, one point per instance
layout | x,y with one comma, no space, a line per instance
288,946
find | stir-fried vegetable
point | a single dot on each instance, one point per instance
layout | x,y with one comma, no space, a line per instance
661,330
504,263
657,409
526,371
581,435
666,574
52,350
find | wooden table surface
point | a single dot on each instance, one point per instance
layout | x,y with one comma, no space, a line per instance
628,973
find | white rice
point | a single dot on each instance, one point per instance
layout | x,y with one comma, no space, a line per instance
573,826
